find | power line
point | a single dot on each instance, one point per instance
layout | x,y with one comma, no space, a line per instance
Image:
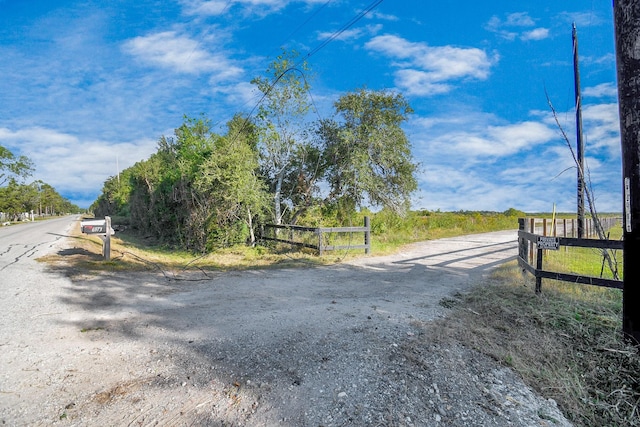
306,21
345,27
333,36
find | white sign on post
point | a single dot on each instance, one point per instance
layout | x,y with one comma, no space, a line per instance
546,242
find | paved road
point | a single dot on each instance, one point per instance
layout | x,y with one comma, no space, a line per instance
22,243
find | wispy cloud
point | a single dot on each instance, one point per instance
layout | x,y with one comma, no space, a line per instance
537,34
600,91
603,127
425,70
495,141
73,163
582,19
352,34
219,7
474,160
178,52
512,27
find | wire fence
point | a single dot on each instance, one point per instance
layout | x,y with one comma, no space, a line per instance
581,260
320,238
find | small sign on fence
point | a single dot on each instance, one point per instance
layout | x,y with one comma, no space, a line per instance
546,242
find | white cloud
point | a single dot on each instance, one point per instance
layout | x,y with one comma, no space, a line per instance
607,59
178,52
519,19
427,70
494,141
473,160
600,91
382,16
582,19
207,8
602,127
218,7
512,27
243,93
72,164
352,34
536,34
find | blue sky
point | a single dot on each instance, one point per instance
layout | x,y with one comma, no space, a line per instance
89,86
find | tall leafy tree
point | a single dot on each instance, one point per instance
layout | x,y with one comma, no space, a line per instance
232,195
11,166
367,154
283,128
199,190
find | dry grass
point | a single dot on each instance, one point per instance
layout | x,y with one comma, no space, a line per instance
130,253
566,343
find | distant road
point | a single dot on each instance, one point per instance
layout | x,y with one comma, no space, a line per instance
21,244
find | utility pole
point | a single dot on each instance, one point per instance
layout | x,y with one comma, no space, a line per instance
580,142
626,16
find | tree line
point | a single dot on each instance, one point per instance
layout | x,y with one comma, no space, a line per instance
201,190
18,198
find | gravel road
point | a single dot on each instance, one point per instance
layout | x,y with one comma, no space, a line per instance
314,346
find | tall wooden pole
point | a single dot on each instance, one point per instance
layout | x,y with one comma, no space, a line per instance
626,15
580,141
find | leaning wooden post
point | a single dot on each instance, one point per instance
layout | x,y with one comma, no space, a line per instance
367,235
626,17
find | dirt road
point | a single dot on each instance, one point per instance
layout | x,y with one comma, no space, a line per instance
321,346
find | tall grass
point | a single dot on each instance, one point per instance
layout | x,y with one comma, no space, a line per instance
585,261
566,343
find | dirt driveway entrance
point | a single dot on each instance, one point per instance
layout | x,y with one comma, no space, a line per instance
323,346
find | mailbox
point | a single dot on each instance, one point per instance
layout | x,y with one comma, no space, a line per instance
95,226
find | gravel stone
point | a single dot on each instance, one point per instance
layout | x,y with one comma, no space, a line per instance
341,345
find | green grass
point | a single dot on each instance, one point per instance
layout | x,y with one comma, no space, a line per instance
585,261
388,233
565,343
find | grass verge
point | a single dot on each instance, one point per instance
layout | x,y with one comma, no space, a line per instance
565,343
131,253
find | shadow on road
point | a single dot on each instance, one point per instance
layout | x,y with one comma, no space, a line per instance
264,337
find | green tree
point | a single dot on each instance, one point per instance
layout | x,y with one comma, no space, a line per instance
12,166
367,154
232,194
200,190
283,128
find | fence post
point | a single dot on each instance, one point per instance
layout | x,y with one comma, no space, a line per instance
522,243
538,269
320,247
367,235
544,226
532,229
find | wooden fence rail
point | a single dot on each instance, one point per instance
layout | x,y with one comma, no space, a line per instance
532,248
316,236
567,227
